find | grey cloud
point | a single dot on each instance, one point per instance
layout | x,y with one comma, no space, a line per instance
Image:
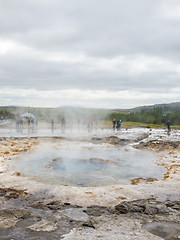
100,29
32,72
104,28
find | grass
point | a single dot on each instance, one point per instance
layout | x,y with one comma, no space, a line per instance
138,124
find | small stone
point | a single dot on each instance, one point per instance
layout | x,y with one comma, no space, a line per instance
123,209
43,225
89,224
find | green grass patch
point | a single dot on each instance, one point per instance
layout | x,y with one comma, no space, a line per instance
138,124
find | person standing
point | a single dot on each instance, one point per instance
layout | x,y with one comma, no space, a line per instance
120,121
29,122
118,125
63,125
114,124
52,125
169,125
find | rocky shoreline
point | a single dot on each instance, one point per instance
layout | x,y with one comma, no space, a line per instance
142,210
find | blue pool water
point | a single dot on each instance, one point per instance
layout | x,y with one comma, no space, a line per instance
83,166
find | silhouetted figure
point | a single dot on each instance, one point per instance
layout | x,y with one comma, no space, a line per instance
169,125
114,124
52,125
89,125
20,125
63,125
36,124
17,126
120,121
118,125
29,122
78,123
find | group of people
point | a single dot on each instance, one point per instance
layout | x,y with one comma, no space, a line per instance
63,125
32,124
19,125
117,124
71,124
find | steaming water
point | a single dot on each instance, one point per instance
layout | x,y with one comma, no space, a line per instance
79,165
88,164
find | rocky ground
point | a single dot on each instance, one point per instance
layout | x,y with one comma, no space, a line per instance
143,209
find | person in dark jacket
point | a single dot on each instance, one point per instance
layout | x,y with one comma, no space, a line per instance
114,124
169,125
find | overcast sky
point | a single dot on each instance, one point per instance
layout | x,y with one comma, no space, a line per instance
91,53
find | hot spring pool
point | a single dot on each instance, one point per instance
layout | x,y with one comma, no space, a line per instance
84,165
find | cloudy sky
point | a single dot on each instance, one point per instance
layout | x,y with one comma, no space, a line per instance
91,53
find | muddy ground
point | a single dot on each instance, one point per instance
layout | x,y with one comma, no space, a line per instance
144,209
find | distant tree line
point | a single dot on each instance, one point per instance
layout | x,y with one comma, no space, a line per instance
153,116
156,115
4,114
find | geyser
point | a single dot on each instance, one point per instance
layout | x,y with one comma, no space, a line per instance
87,164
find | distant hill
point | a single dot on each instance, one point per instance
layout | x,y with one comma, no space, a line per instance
166,107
